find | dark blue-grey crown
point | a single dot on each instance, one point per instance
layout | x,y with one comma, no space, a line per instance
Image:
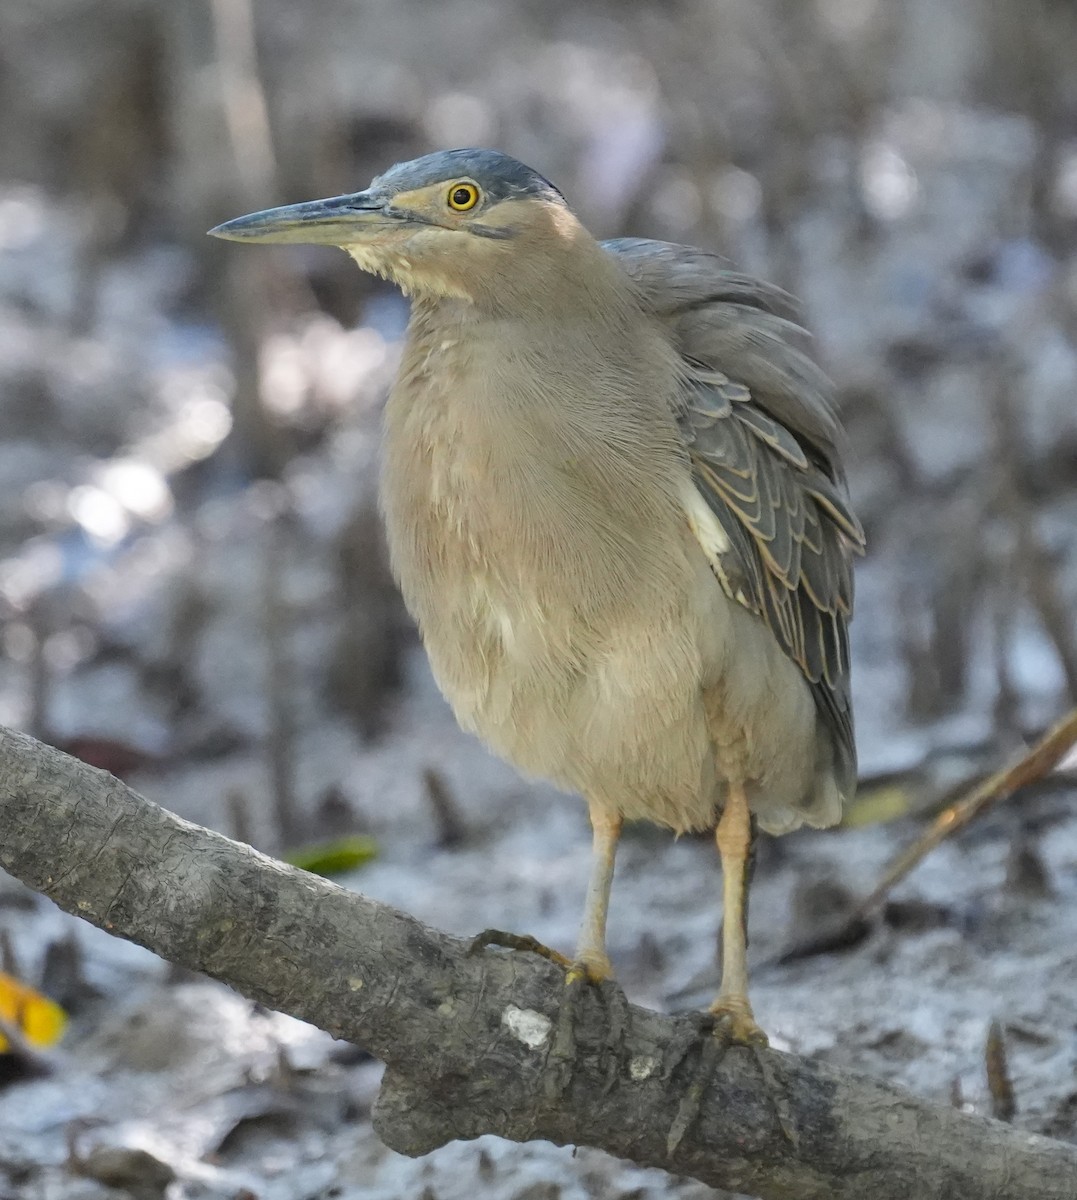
499,176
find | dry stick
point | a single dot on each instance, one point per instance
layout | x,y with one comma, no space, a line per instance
1032,766
466,1036
252,289
282,735
996,1067
246,110
1032,561
40,674
1043,587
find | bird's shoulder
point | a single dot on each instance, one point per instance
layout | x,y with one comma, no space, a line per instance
739,326
760,427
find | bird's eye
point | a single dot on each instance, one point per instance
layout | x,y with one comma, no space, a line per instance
463,196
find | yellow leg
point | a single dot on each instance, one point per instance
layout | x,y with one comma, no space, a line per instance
591,960
591,965
734,838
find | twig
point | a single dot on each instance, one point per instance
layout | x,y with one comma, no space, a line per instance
999,1083
1056,618
280,683
246,111
1030,767
1032,561
40,672
451,826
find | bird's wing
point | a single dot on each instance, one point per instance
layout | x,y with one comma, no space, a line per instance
763,439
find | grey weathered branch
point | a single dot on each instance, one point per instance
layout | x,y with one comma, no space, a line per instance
467,1036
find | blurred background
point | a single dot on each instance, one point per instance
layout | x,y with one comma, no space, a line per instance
193,587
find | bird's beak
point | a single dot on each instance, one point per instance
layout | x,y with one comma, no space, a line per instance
339,221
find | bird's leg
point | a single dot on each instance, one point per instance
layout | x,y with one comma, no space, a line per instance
729,1019
733,1012
591,965
591,960
730,1016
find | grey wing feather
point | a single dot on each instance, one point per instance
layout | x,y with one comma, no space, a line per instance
764,442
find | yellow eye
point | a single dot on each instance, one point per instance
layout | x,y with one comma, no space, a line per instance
463,196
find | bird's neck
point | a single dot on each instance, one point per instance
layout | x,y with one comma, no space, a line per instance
495,423
570,380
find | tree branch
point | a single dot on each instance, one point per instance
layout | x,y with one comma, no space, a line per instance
467,1037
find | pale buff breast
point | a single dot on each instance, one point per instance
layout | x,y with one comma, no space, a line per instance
582,636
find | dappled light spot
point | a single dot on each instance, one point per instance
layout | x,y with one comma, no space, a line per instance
101,516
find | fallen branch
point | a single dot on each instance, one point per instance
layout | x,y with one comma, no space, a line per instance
1035,764
466,1036
1031,767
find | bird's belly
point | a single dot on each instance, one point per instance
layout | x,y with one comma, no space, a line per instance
651,719
611,665
573,657
618,718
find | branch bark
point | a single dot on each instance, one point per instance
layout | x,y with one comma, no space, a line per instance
467,1037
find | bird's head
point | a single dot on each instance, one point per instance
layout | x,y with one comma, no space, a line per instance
459,223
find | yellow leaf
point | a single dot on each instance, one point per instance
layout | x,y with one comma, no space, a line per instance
877,805
40,1019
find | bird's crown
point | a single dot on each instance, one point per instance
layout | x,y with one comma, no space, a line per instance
498,175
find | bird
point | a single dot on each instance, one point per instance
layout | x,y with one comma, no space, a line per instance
615,505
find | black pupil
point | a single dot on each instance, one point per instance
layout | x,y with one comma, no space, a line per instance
461,196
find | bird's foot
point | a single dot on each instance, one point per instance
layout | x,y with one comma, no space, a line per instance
584,972
523,942
697,1032
734,1024
729,1022
591,972
595,969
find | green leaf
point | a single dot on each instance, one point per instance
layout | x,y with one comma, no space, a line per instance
334,857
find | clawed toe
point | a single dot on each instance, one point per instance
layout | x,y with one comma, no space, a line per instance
522,942
703,1040
581,975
